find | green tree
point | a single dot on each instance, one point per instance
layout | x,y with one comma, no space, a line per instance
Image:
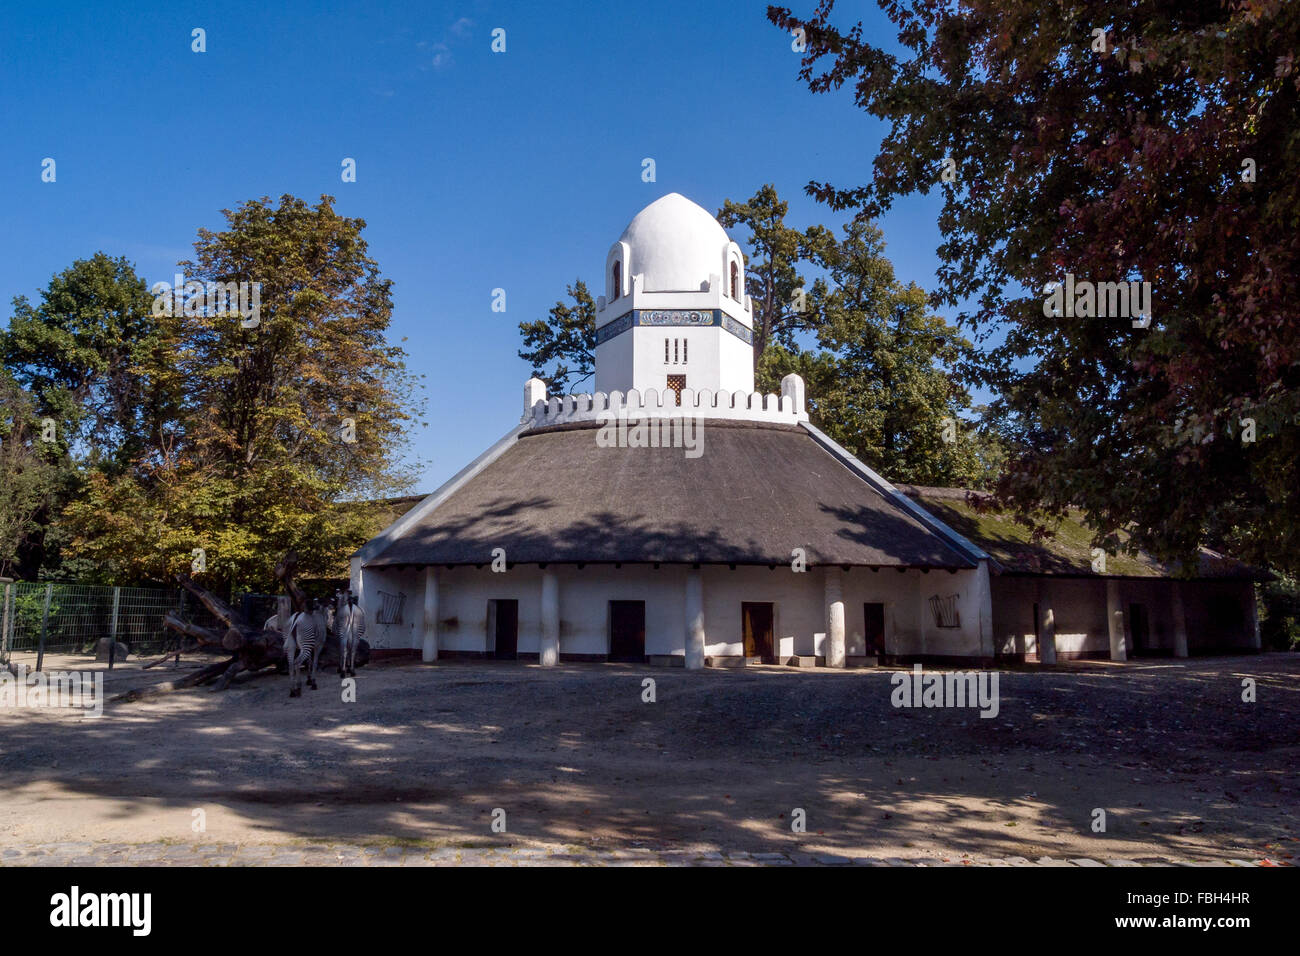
774,254
1112,141
884,383
289,417
29,478
562,347
79,353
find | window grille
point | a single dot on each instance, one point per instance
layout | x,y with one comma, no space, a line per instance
675,384
390,608
945,611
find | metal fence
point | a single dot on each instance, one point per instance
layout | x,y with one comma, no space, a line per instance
71,618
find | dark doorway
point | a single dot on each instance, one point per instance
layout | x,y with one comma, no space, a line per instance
627,631
506,630
1140,627
873,623
756,623
1032,655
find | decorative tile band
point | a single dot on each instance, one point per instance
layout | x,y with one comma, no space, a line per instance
676,317
617,327
673,317
737,329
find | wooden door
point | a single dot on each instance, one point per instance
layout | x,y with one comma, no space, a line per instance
756,623
873,623
627,631
507,630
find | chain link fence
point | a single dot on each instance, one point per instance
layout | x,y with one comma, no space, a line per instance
72,618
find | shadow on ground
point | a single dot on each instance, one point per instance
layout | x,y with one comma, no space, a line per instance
1181,765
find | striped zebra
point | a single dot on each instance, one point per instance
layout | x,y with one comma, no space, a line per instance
302,646
350,625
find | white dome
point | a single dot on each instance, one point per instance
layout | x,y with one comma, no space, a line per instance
675,244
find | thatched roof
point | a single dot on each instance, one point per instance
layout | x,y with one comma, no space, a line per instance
1068,551
756,493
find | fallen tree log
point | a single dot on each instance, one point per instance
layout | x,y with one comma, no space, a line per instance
200,676
251,648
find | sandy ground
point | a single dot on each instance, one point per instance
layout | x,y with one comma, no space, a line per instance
721,760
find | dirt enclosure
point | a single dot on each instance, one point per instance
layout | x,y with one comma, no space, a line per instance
1182,767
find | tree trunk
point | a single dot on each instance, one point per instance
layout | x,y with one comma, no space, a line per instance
251,648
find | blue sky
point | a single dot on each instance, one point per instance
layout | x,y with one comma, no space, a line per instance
475,170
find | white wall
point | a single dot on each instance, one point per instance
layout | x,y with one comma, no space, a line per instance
408,633
1079,607
799,599
716,359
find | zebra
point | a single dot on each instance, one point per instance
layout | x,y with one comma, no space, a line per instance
350,624
302,646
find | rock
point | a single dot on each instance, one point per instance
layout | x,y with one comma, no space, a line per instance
102,646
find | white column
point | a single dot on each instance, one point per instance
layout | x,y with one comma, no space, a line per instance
984,595
1115,622
550,649
694,619
430,652
1047,625
1179,614
354,578
834,617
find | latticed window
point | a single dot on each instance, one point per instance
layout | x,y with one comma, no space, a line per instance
618,281
675,384
735,281
390,608
945,611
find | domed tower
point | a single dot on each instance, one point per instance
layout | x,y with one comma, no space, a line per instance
674,314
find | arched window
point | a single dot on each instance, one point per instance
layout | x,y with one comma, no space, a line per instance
735,281
618,281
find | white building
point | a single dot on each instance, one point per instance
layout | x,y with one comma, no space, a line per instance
735,532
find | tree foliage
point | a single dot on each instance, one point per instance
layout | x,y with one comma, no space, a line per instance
29,475
1159,142
774,255
80,353
562,347
884,382
243,437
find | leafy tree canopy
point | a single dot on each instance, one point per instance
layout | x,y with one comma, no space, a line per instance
1112,141
561,348
242,428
